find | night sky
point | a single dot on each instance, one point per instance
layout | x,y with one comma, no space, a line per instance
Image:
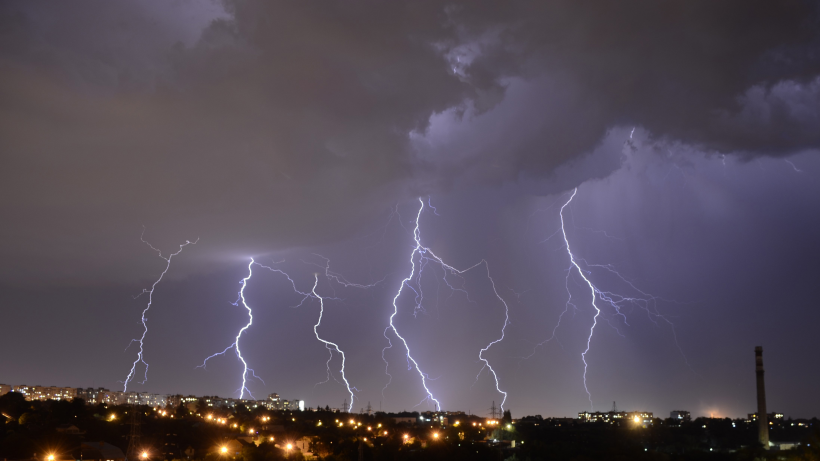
303,134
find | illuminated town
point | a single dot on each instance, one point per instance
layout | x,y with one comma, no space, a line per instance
63,423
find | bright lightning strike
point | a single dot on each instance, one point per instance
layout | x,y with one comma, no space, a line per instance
141,353
645,301
425,256
592,289
235,344
332,276
328,344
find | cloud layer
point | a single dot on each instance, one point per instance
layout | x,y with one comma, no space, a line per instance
268,125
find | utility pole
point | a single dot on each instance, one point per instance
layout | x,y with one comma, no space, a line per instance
132,452
494,410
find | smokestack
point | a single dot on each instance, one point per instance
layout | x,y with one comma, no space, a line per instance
762,416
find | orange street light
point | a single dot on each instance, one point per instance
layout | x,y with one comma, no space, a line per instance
223,449
50,458
144,455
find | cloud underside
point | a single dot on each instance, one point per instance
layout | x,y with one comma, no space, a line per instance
290,122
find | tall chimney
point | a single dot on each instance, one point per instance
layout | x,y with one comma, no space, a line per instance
762,416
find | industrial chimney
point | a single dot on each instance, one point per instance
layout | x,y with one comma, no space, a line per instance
762,416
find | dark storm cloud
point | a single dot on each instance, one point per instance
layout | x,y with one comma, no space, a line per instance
726,76
291,123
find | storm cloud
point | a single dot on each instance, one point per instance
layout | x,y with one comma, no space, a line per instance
127,114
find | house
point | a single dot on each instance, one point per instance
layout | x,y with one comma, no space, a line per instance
69,429
101,451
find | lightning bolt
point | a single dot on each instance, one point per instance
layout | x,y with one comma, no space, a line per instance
794,167
646,302
593,292
328,344
425,256
332,276
235,344
141,340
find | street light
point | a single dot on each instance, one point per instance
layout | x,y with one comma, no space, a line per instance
50,458
144,455
223,450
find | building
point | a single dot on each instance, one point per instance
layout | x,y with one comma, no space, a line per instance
231,448
175,400
680,415
773,418
46,392
643,418
273,402
69,429
4,389
93,396
303,445
608,417
100,451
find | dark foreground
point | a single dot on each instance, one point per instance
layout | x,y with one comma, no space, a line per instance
62,430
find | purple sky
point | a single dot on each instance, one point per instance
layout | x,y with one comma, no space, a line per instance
287,130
